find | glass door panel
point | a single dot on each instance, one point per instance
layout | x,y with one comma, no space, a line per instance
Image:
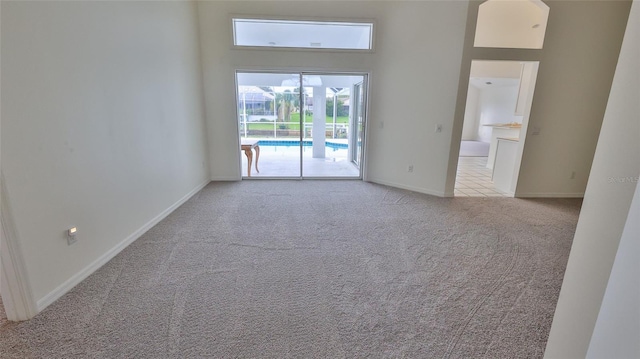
329,119
269,123
358,114
296,125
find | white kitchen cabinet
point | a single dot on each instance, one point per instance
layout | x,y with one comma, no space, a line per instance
504,131
505,163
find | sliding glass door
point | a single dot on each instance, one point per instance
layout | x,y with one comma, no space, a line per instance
357,135
268,107
295,125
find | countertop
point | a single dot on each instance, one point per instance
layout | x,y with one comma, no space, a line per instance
512,125
514,139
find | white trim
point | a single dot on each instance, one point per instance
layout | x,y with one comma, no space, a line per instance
16,289
225,179
367,132
365,123
95,265
371,21
410,188
238,136
302,71
549,195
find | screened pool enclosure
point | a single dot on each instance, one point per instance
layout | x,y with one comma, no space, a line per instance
301,124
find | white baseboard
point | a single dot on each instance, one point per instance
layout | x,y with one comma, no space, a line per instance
550,195
95,265
225,179
410,188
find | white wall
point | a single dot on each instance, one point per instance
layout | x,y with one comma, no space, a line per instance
497,105
576,69
470,127
488,105
102,127
618,326
415,69
604,215
414,78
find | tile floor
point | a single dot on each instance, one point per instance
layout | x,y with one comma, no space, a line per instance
284,161
474,179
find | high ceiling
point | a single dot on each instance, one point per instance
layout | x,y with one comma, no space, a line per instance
485,74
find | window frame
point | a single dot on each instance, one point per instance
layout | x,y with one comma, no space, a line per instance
337,21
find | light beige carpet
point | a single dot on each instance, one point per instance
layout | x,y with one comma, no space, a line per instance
319,269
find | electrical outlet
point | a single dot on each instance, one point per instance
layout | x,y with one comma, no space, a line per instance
410,168
71,235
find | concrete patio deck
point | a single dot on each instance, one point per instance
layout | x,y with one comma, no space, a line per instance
284,161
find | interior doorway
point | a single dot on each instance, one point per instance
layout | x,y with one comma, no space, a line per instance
499,98
301,125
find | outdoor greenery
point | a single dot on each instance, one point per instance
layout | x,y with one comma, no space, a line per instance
285,107
287,102
294,125
342,109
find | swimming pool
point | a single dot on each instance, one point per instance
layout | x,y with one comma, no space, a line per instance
305,143
281,158
281,149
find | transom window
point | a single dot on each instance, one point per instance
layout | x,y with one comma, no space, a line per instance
302,34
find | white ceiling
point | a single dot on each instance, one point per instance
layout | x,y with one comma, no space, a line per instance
498,73
496,69
487,82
